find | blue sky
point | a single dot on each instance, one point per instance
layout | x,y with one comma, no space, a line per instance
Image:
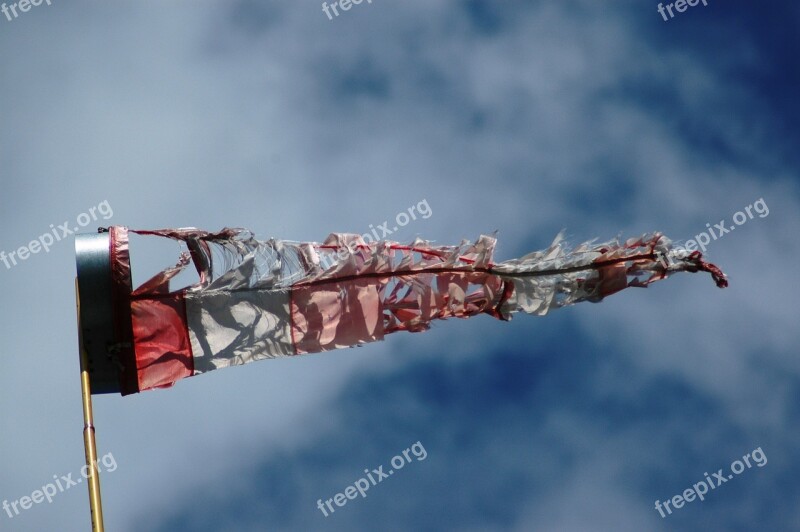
518,117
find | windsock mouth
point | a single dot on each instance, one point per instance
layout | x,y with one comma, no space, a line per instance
104,287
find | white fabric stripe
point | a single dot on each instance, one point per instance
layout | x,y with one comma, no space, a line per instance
233,328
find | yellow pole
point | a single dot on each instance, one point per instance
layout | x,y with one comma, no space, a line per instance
95,504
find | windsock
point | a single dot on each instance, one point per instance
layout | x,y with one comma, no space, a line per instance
259,299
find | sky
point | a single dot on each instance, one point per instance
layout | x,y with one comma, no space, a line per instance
525,118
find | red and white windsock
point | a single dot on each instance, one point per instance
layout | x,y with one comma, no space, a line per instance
266,299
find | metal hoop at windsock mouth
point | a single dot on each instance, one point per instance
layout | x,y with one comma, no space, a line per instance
93,260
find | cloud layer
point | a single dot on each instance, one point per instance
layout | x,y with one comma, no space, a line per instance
504,116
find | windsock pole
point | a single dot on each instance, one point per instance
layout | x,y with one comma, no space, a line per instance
95,503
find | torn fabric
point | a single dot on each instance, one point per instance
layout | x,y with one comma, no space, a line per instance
264,299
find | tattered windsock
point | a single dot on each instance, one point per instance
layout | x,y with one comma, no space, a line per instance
265,299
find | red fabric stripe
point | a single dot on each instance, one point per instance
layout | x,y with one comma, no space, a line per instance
121,293
335,315
161,341
291,319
